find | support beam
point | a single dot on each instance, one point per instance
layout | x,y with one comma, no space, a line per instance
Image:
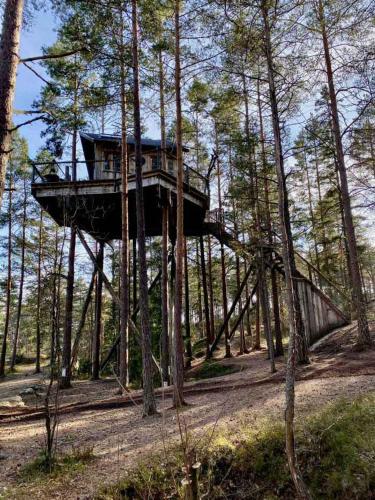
205,297
133,318
110,289
98,316
232,309
82,320
244,309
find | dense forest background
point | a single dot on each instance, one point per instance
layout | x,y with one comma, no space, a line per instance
274,101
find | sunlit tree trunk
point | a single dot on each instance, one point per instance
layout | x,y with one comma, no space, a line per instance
22,277
293,306
364,338
65,377
178,355
9,49
8,282
149,403
124,269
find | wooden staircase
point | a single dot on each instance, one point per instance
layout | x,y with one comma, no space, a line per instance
320,314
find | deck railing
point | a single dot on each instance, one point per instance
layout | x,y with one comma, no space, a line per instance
67,171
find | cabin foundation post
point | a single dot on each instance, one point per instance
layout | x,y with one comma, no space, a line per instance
171,301
205,299
164,357
98,315
188,348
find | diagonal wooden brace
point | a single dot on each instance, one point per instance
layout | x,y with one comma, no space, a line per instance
112,292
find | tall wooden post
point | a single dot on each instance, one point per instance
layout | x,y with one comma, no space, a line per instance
98,316
205,299
165,297
188,348
211,292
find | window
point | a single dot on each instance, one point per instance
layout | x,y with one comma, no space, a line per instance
116,163
155,162
171,166
106,165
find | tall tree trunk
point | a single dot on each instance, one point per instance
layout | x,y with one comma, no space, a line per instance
9,49
9,282
22,276
199,291
275,295
149,403
222,258
178,356
124,270
65,378
211,292
205,298
264,300
188,348
98,316
165,235
364,338
165,297
82,322
294,313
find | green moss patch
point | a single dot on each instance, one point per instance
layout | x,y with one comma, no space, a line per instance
41,469
335,448
212,369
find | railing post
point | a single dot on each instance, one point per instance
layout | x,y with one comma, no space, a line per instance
66,172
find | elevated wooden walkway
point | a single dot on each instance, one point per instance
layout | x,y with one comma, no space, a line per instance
320,314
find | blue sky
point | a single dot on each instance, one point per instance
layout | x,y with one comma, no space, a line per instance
40,33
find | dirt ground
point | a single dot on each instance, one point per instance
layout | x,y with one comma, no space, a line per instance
93,415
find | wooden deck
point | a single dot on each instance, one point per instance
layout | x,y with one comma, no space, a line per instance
95,205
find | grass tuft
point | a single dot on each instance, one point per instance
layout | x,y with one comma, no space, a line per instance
211,369
40,468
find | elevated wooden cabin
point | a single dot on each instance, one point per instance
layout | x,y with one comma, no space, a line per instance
93,200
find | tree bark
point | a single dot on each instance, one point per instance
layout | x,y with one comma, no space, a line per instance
199,291
294,313
124,270
98,316
9,282
275,295
165,235
83,319
9,49
211,292
22,277
364,338
205,299
65,377
149,403
188,348
178,356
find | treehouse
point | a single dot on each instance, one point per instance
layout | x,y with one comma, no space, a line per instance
89,195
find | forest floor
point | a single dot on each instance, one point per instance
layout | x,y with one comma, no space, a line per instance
92,415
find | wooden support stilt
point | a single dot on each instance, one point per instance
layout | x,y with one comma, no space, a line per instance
164,355
232,309
205,298
110,289
188,348
98,315
245,308
83,319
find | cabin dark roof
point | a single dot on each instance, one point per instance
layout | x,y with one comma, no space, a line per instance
153,143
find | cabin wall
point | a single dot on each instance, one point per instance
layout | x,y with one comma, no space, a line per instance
107,162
